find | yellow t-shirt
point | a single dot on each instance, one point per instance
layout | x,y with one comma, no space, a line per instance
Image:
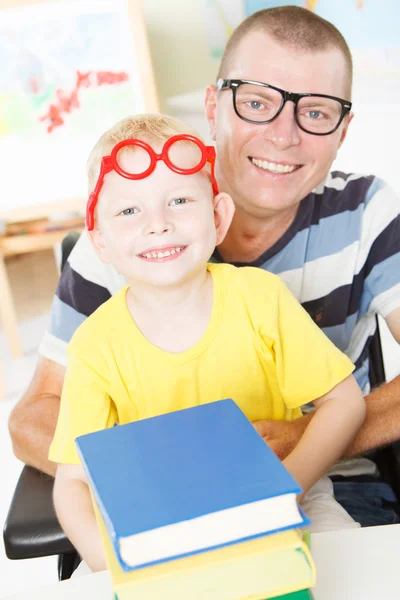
260,348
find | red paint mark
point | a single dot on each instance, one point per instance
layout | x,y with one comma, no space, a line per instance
83,79
66,103
106,77
34,85
54,116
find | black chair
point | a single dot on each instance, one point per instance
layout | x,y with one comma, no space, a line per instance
388,458
32,529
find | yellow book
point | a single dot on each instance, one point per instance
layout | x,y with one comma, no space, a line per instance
257,569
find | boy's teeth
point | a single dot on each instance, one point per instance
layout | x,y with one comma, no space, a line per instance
273,167
162,254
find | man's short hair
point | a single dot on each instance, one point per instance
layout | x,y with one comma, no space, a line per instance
147,127
294,27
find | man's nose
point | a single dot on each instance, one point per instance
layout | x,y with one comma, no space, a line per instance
283,131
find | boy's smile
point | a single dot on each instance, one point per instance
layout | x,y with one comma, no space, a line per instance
162,254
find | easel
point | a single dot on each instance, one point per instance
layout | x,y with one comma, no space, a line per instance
144,86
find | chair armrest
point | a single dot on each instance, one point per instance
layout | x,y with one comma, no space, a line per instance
32,529
395,466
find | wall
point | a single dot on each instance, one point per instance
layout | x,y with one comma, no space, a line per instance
178,45
372,144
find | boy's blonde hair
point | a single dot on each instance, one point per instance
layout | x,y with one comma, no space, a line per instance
146,127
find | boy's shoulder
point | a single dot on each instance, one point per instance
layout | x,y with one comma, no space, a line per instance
258,290
98,327
248,279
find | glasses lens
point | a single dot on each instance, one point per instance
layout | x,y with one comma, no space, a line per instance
257,103
133,159
318,115
184,154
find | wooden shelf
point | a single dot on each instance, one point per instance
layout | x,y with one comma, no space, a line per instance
21,244
40,211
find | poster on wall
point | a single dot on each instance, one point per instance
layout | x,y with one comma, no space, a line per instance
370,27
70,69
221,18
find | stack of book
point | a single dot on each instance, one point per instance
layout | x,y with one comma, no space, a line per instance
194,504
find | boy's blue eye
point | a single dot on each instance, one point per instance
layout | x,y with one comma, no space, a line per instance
178,201
129,211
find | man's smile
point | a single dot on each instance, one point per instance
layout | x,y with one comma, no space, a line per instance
274,167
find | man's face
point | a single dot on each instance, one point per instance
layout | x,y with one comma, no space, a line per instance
260,191
157,231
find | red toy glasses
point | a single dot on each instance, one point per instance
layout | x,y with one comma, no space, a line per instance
187,165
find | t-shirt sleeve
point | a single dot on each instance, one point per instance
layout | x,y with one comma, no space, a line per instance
86,405
85,283
379,253
308,364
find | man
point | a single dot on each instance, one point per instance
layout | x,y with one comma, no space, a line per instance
326,235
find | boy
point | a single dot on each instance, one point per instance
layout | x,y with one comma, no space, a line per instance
185,332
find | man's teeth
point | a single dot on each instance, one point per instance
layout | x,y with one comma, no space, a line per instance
273,167
162,254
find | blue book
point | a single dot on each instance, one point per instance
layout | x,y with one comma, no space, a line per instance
186,482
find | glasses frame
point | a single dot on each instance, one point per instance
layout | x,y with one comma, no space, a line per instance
234,84
109,163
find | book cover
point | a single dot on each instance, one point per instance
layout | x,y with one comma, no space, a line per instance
185,482
261,569
300,595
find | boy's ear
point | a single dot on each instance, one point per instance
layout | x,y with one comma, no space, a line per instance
224,210
96,239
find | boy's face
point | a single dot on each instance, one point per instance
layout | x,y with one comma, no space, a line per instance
160,230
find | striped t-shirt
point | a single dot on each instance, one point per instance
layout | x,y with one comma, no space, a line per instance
340,257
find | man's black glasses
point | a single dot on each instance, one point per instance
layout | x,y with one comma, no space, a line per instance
261,103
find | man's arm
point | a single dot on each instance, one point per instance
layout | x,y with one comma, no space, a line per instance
33,421
382,423
85,283
381,426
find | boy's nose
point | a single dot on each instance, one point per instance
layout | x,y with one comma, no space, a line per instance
158,224
159,230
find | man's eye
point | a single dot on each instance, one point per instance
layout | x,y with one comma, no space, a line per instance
256,104
129,211
178,201
314,114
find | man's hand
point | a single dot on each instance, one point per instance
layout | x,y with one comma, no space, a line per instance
282,436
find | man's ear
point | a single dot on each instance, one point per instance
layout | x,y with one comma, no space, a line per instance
349,118
211,105
224,209
96,239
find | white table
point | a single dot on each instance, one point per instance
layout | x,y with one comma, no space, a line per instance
357,564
